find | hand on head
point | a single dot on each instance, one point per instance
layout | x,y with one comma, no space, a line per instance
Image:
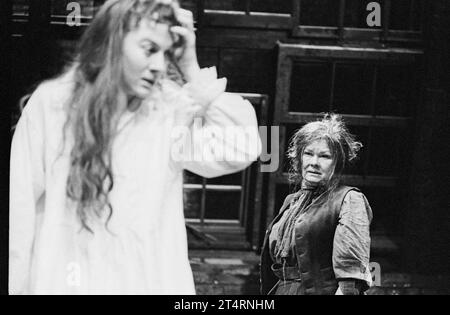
186,55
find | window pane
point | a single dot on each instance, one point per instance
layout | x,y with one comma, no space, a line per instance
319,12
353,88
405,14
395,91
192,203
272,6
191,178
233,179
386,145
386,207
310,87
207,57
222,205
356,13
242,66
227,5
59,7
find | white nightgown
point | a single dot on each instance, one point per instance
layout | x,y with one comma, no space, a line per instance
144,250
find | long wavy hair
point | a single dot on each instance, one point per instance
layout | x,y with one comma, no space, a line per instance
342,144
98,96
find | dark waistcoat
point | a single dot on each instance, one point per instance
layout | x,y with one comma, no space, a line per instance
314,235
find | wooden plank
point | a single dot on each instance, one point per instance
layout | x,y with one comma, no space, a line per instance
403,55
258,213
386,19
351,120
243,205
239,38
341,20
227,245
252,20
323,32
213,187
273,178
283,84
352,34
203,202
295,15
405,36
62,20
215,223
354,180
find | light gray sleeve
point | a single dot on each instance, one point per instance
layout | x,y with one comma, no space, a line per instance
351,248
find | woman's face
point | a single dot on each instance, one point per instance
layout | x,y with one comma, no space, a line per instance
144,57
317,162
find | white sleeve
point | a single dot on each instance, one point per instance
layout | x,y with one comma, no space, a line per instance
225,138
27,182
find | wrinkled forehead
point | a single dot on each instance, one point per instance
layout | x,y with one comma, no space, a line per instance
157,33
320,145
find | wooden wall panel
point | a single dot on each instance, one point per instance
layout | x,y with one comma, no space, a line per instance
248,71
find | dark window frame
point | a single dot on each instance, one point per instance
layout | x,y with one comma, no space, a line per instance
262,20
229,233
287,55
248,18
342,33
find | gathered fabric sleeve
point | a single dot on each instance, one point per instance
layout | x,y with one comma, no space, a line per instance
27,184
351,247
223,137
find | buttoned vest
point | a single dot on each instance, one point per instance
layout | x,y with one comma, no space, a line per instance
314,235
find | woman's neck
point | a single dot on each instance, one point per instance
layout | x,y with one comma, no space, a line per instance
306,185
133,103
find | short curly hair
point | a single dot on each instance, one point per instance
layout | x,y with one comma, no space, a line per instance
342,144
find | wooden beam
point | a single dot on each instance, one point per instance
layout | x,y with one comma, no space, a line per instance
214,37
251,20
351,120
355,180
386,20
213,187
403,55
352,34
341,20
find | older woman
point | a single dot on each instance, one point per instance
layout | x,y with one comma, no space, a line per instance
319,243
96,185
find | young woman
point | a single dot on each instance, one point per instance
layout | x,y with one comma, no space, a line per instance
96,184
